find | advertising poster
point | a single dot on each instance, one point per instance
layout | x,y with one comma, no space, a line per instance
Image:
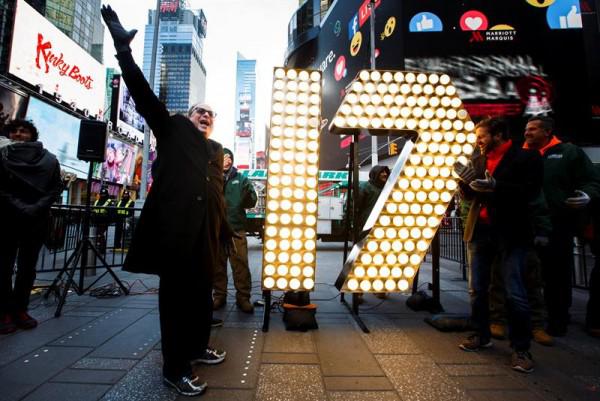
119,163
59,132
42,55
128,119
513,58
12,105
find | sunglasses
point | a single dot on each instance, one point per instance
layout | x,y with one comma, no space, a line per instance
201,111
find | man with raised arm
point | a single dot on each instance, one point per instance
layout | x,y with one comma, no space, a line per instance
182,224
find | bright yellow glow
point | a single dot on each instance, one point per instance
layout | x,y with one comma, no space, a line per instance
269,282
308,283
410,216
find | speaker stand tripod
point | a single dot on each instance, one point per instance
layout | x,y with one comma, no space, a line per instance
80,253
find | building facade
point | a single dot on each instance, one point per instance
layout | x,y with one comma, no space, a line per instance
180,75
81,21
245,106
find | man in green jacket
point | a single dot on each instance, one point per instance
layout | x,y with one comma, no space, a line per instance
239,195
369,192
570,182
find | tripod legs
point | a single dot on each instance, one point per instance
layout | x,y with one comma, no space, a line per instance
71,267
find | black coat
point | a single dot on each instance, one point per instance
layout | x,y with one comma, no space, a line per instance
519,177
181,222
29,184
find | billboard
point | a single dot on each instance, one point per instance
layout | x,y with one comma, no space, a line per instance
511,58
42,55
59,132
123,115
12,105
119,164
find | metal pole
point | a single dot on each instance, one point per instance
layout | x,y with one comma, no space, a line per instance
146,149
374,156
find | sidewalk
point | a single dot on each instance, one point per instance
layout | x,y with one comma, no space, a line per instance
109,349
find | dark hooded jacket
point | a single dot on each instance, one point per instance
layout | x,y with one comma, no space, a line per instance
239,195
183,219
29,181
369,193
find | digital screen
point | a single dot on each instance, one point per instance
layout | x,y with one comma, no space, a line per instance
119,163
12,105
129,120
59,132
512,58
43,55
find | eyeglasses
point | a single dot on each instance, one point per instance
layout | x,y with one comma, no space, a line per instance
201,111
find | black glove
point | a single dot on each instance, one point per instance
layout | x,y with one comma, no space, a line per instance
487,184
121,37
580,200
465,173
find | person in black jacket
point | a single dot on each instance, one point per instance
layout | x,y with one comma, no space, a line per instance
29,183
182,225
501,182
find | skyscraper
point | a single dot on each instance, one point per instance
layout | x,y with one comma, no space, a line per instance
245,103
180,75
80,20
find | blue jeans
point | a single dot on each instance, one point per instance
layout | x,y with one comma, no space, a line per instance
485,249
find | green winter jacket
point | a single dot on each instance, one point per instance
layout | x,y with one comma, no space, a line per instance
239,195
369,193
566,169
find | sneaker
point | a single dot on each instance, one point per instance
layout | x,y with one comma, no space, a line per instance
211,357
541,337
24,321
498,331
216,322
522,361
474,343
219,303
245,306
7,324
187,385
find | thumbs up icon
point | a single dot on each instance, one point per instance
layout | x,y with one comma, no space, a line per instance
571,20
425,24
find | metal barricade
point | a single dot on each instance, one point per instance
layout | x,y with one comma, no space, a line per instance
110,231
452,246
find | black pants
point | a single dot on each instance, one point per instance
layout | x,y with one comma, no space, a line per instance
592,318
557,268
20,240
185,307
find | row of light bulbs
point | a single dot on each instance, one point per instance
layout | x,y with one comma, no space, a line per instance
427,103
289,250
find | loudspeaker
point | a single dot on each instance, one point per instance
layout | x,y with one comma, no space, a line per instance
92,141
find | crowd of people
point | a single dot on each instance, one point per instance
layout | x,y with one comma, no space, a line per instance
525,206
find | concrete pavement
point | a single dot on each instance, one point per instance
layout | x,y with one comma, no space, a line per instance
109,349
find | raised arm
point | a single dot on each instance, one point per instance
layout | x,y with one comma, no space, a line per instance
146,102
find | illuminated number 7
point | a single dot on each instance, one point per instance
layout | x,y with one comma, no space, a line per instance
421,185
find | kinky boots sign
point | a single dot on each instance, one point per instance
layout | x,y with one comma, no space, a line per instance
46,59
43,56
